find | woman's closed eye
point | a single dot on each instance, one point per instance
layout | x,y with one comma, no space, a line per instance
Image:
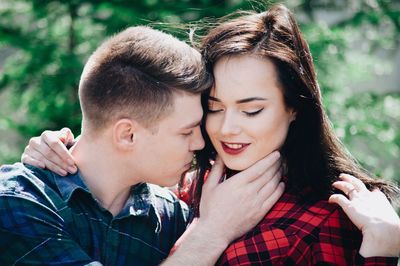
253,113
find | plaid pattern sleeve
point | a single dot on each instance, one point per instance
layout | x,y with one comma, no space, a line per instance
296,232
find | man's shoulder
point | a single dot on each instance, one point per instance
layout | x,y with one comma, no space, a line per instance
24,180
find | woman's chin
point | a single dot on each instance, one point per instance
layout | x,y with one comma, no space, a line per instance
240,165
237,166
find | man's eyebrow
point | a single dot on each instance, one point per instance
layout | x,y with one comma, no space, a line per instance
210,98
192,125
246,100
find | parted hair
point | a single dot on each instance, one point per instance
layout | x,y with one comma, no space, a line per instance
133,75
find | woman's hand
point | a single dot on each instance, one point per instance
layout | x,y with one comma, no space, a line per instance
50,151
373,214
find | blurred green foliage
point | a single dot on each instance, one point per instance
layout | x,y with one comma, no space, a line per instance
49,41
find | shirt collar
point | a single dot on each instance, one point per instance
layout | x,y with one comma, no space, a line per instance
141,201
68,184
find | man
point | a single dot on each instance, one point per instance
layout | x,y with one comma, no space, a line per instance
140,99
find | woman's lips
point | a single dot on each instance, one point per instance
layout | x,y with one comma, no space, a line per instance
233,148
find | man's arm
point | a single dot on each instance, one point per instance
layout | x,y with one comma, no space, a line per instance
228,210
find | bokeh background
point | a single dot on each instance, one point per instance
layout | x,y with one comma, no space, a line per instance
355,45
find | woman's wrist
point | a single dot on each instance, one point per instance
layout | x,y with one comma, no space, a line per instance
381,241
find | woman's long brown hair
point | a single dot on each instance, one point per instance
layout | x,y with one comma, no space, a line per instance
313,155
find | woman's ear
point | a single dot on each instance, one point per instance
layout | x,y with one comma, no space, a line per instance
293,114
124,133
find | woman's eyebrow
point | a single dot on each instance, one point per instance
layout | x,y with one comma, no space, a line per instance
245,100
251,99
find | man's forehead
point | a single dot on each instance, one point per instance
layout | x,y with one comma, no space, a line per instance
188,118
187,111
195,123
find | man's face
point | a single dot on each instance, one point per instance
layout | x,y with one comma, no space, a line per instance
167,149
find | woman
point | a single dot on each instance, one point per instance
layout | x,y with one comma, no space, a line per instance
266,97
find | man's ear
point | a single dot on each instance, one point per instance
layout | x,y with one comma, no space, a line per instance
124,133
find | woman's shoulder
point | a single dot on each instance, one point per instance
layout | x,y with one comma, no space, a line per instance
292,203
292,230
294,213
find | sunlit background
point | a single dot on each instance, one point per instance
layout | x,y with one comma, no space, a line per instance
355,44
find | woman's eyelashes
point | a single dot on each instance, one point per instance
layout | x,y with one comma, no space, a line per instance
247,113
253,113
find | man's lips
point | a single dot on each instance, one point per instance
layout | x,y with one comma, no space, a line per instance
234,148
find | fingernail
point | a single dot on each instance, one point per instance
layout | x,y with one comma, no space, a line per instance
72,169
63,172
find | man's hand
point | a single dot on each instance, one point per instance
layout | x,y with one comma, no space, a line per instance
228,210
373,214
231,208
49,151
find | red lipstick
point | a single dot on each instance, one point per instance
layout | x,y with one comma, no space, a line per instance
233,150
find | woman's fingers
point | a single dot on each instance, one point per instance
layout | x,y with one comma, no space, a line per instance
340,200
54,141
49,151
347,188
35,156
357,183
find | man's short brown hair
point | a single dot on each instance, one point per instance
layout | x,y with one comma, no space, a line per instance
133,75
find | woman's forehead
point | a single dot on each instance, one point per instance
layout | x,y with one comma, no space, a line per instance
244,76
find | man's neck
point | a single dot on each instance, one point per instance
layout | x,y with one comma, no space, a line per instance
102,173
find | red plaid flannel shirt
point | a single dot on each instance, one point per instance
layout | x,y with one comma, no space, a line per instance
301,233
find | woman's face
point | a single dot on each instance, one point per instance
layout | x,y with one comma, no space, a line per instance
247,117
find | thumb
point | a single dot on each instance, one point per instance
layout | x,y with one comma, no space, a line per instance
216,172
